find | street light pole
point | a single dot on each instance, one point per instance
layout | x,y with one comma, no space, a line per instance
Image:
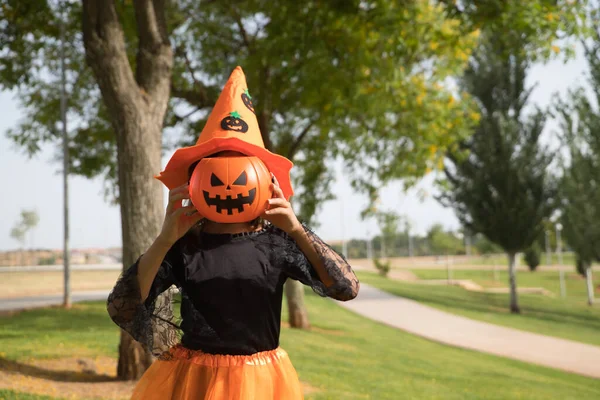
548,250
561,273
65,143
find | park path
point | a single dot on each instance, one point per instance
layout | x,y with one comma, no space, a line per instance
430,323
20,303
454,330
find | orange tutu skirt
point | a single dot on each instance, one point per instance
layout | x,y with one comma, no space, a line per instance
183,374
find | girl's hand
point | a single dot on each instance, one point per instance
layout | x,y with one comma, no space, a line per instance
280,212
178,219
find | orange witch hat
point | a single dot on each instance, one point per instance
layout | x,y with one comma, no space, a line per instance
232,125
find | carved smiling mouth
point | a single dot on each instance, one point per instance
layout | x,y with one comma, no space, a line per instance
229,204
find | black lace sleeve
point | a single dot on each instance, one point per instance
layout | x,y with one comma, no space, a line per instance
345,283
151,322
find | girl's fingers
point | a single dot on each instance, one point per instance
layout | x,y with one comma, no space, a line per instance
277,211
278,202
277,192
174,199
184,210
193,219
177,190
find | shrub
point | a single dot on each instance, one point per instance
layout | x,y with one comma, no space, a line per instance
382,266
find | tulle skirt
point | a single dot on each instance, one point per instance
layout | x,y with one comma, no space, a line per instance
183,374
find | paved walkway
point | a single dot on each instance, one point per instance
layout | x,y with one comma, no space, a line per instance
440,326
49,300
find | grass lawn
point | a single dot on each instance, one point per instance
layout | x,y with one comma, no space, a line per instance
576,285
568,258
344,357
569,318
12,395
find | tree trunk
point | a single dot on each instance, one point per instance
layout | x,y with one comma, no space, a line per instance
590,285
136,105
512,279
298,316
141,201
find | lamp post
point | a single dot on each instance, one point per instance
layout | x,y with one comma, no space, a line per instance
561,273
65,143
548,250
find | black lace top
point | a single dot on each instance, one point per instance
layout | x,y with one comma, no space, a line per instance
231,288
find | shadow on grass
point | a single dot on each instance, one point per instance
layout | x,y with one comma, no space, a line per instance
86,375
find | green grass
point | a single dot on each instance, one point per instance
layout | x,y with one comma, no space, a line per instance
569,318
500,259
344,357
85,330
12,395
575,283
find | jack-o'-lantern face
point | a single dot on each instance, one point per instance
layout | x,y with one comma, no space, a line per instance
234,122
230,189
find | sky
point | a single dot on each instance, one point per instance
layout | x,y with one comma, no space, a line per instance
36,184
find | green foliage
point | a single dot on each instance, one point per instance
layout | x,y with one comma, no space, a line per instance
536,29
383,267
498,181
581,266
384,108
51,260
29,220
484,246
532,257
388,222
579,121
442,242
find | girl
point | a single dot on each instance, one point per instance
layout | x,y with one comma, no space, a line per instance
231,279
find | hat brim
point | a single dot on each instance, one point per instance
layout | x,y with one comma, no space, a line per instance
176,172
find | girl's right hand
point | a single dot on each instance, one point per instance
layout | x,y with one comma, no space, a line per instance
178,219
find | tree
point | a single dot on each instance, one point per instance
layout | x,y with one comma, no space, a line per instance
579,123
442,242
30,219
484,246
501,186
384,108
18,233
532,256
389,223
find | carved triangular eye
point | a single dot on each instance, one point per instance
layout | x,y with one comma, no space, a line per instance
215,181
242,180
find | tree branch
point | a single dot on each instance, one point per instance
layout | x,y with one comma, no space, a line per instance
245,38
181,51
155,55
296,145
202,97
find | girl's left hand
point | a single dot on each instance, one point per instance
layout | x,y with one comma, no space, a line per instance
280,212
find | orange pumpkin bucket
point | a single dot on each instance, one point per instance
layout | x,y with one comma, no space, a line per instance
230,189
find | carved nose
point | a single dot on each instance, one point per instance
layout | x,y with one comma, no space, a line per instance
228,187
